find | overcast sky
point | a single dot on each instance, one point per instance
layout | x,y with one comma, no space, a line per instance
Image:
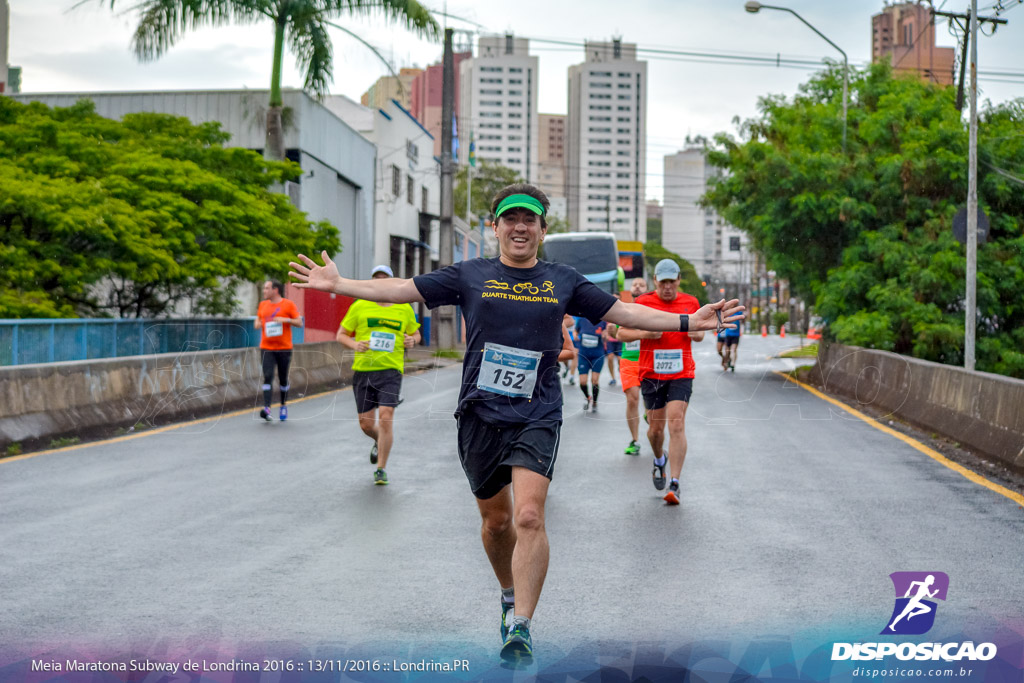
86,49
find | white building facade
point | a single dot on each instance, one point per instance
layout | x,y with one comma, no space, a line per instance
718,251
606,142
498,107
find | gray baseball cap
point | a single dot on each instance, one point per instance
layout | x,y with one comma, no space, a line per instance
666,270
382,269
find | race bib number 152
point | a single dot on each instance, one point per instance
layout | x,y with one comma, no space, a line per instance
508,371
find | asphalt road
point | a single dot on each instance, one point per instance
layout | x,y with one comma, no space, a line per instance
231,532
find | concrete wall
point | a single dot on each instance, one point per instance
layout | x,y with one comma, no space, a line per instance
45,401
982,411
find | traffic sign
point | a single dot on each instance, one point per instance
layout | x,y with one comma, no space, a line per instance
960,226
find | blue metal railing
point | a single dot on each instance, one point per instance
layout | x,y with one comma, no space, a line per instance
45,340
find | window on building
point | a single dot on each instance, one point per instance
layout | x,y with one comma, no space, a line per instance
624,74
515,69
490,103
600,84
515,115
492,91
599,130
623,131
426,200
600,118
623,119
515,81
396,181
515,92
514,103
515,161
515,149
600,96
490,114
625,85
492,69
625,108
600,107
606,74
734,244
515,126
411,194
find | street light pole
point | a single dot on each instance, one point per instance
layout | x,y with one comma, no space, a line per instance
754,7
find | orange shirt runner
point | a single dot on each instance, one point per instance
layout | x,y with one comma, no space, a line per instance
276,336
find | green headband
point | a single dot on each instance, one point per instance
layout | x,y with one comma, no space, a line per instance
517,201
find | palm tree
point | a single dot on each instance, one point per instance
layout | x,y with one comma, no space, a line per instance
302,22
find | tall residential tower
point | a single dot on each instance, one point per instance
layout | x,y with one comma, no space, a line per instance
498,106
606,141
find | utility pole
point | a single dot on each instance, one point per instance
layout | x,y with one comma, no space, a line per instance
995,21
972,202
444,316
608,211
971,314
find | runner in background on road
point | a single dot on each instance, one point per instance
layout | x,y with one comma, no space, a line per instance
591,359
569,322
629,371
275,317
612,353
509,413
666,376
379,333
731,337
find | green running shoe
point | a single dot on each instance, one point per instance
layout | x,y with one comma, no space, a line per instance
380,477
518,647
508,610
633,448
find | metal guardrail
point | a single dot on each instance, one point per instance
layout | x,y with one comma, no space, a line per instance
45,340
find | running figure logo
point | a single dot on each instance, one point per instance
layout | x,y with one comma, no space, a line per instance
914,612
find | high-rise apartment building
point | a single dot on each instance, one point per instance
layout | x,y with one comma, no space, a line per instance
5,34
387,88
905,34
716,249
498,108
551,157
606,141
427,88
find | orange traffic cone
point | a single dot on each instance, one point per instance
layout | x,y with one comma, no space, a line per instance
764,330
782,331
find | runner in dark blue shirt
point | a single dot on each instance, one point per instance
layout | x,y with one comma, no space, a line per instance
509,412
591,358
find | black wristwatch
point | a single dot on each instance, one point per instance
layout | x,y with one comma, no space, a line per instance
684,322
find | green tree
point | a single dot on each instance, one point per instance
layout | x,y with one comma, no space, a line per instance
654,230
302,24
689,281
488,178
869,232
100,217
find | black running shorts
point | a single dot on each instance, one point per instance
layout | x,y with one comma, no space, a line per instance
732,341
658,392
489,452
376,388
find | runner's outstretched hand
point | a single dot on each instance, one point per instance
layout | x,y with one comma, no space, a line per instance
705,319
312,276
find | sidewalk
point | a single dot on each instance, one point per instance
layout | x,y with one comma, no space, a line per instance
421,358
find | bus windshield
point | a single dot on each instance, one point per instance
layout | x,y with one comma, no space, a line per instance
593,255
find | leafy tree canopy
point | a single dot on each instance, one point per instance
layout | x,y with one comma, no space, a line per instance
100,217
870,232
488,178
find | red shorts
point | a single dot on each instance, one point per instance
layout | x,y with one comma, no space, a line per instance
629,372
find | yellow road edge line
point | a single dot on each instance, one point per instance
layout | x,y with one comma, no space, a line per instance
158,430
930,452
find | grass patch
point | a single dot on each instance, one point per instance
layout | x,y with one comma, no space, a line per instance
66,441
448,353
809,351
14,448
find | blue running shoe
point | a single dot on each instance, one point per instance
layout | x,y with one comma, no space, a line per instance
283,414
508,610
518,647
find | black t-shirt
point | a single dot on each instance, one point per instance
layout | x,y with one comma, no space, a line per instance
514,324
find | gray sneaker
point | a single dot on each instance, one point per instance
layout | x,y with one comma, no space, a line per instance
658,474
373,454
